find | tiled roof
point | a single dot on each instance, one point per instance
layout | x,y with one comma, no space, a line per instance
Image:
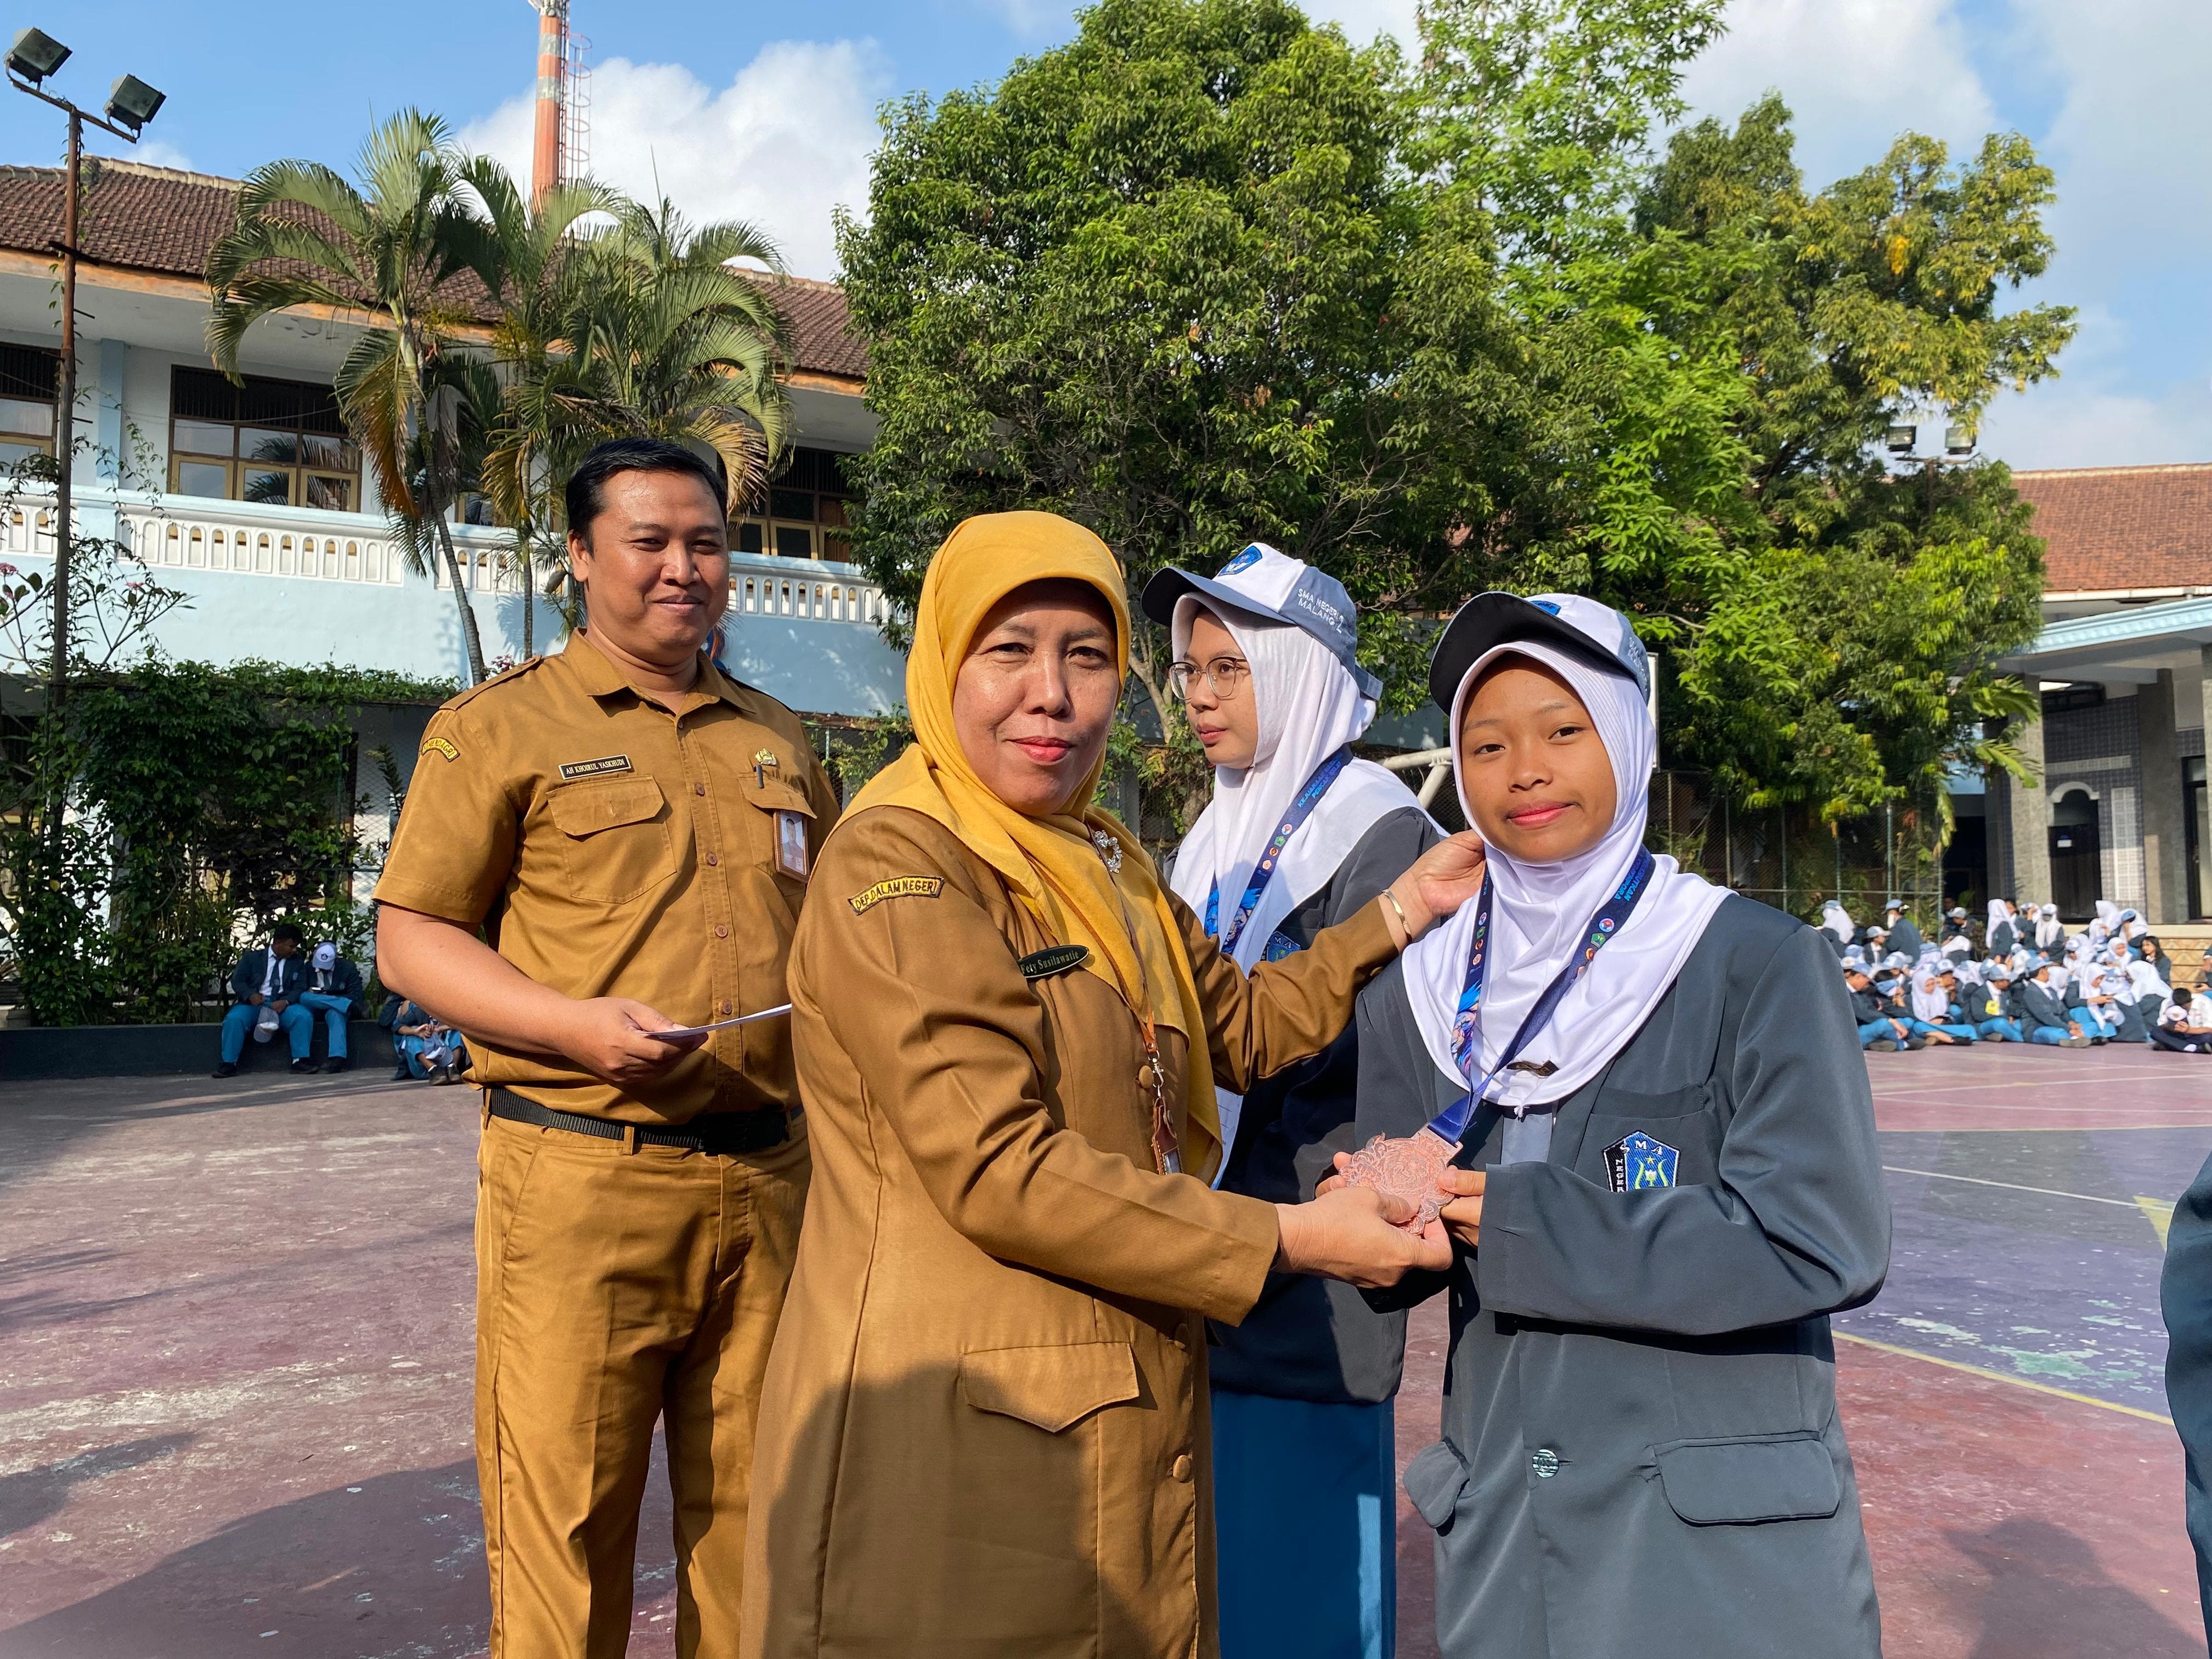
165,221
2116,528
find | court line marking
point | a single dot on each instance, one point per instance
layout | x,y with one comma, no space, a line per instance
2041,1129
2000,1376
2014,1187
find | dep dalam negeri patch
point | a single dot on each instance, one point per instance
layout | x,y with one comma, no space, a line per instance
896,887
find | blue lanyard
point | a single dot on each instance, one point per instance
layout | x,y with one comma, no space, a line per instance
1301,809
1451,1124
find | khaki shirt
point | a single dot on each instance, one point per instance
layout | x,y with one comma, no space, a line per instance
998,1313
612,848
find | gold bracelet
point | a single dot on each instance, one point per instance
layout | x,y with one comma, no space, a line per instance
1405,927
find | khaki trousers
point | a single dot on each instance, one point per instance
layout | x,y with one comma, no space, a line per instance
615,1287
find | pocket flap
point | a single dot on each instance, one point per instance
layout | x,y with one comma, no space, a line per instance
583,809
1771,1478
774,795
1434,1480
1056,1387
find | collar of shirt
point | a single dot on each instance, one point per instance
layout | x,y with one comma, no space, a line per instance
601,679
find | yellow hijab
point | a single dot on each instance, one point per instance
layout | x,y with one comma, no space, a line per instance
1053,864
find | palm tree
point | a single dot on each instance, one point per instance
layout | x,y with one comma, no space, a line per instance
536,249
393,249
647,330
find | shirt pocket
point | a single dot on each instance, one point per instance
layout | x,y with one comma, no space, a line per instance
1052,1387
1685,1122
615,843
780,830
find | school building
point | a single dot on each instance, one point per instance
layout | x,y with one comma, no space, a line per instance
2124,663
251,499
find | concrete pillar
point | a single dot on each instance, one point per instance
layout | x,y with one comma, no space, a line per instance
2165,834
112,460
2029,815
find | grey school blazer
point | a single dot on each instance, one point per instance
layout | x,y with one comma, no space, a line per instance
1641,1454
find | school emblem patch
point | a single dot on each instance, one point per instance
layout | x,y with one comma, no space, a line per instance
896,887
1636,1163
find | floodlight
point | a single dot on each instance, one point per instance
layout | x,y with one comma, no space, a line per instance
132,103
1903,439
36,55
1958,440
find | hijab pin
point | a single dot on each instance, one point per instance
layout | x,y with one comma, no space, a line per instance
1110,851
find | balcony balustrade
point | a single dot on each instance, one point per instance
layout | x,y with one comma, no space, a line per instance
250,538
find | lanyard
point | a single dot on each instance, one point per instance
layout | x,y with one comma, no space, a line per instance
1301,809
1451,1124
1152,1075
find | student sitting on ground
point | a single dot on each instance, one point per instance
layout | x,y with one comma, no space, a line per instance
426,1045
1932,1009
267,984
2177,1027
2155,954
1957,943
1877,1030
2093,1001
2044,1013
1989,1007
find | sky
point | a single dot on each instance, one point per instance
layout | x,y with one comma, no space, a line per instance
769,114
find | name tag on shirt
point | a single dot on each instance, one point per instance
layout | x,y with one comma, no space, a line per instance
791,845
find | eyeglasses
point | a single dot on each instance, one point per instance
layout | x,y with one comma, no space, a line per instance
1225,675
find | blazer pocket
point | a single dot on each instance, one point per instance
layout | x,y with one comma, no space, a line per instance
1434,1480
1775,1477
616,842
1052,1387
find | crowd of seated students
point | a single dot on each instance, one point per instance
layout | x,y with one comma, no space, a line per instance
2025,979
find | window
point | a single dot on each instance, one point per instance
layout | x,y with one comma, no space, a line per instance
804,511
279,441
30,380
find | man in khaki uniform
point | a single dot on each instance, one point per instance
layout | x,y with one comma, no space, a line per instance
632,832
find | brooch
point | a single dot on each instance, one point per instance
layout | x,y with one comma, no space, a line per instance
1109,850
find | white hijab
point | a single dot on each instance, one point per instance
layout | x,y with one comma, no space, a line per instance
1308,709
2049,930
1539,911
1931,1001
2144,981
2001,912
1838,921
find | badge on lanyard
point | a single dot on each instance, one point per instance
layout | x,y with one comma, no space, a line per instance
791,844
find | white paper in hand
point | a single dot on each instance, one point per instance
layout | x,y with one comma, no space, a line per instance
720,1024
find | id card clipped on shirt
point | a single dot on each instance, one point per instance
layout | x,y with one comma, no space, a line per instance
791,845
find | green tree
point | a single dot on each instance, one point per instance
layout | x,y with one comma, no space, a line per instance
1143,282
650,328
396,247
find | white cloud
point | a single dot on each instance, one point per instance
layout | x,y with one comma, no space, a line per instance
784,142
2132,132
1362,20
156,153
2068,424
1855,73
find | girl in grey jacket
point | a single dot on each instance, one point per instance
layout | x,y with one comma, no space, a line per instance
1665,1181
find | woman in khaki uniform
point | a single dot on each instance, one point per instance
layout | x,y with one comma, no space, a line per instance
983,1429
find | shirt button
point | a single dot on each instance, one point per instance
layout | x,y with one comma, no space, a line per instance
712,858
1545,1462
722,933
698,788
726,1005
1181,1467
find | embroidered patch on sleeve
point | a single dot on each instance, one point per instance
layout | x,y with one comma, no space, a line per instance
595,768
439,746
896,887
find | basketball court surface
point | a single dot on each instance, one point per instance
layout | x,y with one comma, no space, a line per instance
235,1355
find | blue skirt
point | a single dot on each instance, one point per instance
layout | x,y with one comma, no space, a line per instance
1305,1507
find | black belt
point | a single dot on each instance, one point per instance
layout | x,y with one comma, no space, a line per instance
731,1134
